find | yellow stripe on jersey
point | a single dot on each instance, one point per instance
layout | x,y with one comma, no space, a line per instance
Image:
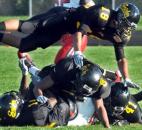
51,125
77,24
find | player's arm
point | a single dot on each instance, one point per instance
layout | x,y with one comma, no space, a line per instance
121,61
78,56
24,85
46,83
102,112
78,41
121,39
123,67
83,30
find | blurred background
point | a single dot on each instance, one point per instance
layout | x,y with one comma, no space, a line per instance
23,7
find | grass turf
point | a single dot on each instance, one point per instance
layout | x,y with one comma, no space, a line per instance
10,73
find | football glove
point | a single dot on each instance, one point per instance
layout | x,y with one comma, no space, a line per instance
42,99
129,83
78,59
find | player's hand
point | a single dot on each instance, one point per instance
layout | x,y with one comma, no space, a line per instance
23,66
24,55
129,83
78,59
42,99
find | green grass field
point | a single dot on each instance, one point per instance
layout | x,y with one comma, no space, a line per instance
140,24
10,73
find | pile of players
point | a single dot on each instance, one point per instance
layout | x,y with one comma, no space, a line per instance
49,99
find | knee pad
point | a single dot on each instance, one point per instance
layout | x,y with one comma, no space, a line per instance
26,27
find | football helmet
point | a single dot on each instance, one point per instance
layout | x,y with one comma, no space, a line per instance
119,98
10,106
89,79
128,16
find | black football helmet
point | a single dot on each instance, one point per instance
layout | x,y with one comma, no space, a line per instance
119,97
10,106
89,79
128,15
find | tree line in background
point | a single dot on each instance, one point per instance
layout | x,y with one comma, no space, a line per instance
21,7
13,7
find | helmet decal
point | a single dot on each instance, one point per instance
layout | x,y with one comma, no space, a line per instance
125,10
130,108
11,104
85,69
102,82
13,107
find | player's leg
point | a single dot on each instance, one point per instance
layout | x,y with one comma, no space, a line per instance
10,25
17,25
10,39
24,42
12,31
66,49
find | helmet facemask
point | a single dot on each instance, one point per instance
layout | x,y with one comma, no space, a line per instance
117,110
124,24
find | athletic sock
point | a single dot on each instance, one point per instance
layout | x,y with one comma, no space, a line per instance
2,26
1,36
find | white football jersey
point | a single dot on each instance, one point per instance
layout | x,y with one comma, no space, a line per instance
71,3
67,3
85,111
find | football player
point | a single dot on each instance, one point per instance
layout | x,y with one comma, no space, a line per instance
43,30
67,39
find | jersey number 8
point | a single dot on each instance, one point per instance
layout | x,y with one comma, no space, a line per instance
104,13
